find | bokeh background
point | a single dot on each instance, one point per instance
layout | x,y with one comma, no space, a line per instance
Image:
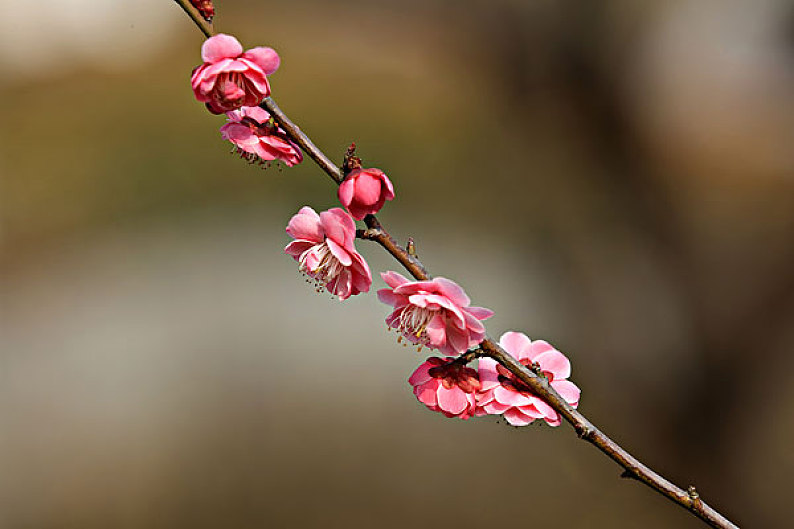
614,176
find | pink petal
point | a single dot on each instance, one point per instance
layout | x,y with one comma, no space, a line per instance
537,347
567,390
296,248
555,421
342,285
543,408
389,192
496,408
238,133
452,400
258,114
436,331
489,377
457,340
306,225
515,417
339,226
421,374
265,58
453,291
387,296
345,192
219,47
340,253
480,313
511,397
393,279
514,343
555,363
426,393
368,188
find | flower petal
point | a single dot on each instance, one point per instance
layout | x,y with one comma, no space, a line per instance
555,363
517,418
452,400
306,225
567,390
453,291
219,47
514,343
393,279
264,57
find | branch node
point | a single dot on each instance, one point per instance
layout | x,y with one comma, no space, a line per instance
628,474
692,493
411,247
585,432
351,161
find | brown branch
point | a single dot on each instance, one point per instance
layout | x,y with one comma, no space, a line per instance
195,16
688,499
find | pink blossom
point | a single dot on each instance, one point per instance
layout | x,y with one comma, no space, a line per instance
364,191
229,78
433,313
324,248
449,388
501,393
257,138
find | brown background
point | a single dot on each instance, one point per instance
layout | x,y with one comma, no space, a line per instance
616,177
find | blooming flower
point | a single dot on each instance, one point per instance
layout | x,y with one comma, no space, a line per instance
502,393
449,388
229,78
324,248
433,313
364,191
257,138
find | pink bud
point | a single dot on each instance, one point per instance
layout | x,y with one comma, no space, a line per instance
364,192
205,8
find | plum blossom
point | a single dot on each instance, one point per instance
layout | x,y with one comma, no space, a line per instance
229,78
364,191
502,393
433,313
324,248
446,387
259,139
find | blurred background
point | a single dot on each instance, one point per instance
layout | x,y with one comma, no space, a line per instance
616,177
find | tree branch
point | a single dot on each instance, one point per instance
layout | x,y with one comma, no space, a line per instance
688,499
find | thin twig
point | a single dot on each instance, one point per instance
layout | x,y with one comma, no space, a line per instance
689,499
202,24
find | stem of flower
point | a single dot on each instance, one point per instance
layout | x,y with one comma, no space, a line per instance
194,15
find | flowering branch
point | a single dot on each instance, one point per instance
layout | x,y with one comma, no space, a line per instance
323,245
633,468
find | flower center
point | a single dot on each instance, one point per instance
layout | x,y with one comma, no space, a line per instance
326,268
230,88
452,374
413,323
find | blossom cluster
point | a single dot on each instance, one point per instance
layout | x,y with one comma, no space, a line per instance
458,391
434,313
